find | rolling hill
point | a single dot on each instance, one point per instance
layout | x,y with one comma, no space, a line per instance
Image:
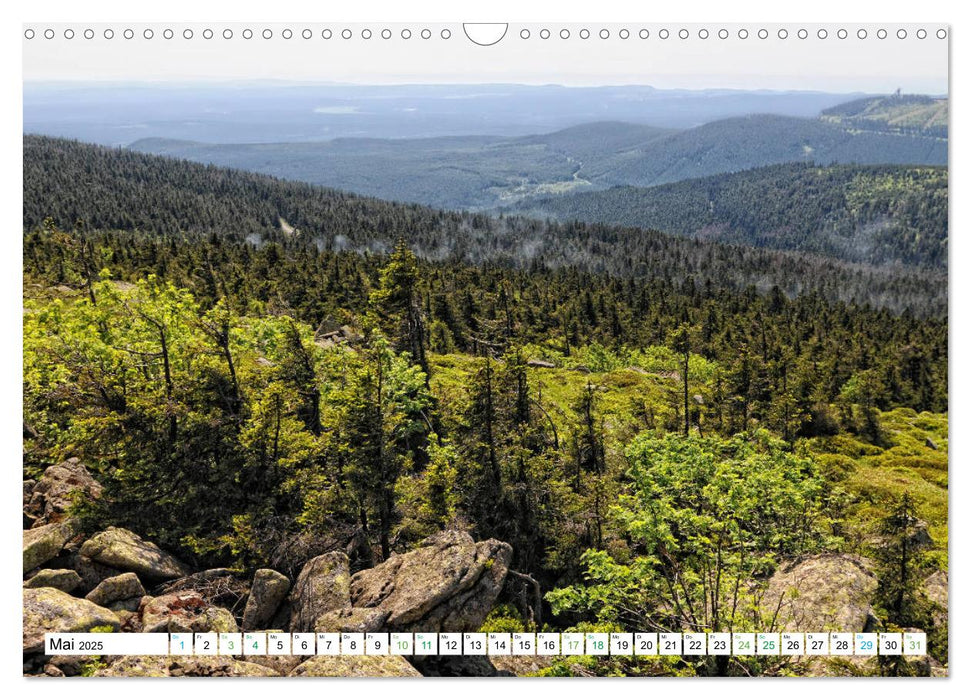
483,172
459,172
731,145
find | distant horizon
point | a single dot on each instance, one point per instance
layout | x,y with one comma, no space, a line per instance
310,83
120,113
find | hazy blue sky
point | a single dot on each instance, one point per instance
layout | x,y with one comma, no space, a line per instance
832,64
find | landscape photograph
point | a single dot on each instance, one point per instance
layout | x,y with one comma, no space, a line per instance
478,356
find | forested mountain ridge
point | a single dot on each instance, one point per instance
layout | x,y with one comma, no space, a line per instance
463,172
902,114
868,214
740,143
122,190
598,140
478,172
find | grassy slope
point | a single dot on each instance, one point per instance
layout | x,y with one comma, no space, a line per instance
872,476
875,475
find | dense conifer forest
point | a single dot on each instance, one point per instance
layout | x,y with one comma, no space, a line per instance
115,189
874,214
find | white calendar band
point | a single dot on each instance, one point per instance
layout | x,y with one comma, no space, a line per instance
689,644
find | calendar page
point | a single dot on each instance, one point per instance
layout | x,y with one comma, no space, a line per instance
542,349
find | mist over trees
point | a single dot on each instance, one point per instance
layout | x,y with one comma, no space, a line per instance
113,189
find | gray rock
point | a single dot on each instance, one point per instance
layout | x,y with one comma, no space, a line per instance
62,579
352,620
269,589
826,592
29,519
518,665
283,665
51,610
921,536
458,666
936,590
542,364
124,550
69,665
323,585
185,611
927,666
29,485
117,588
128,605
448,585
166,666
281,620
55,492
91,573
41,544
356,667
